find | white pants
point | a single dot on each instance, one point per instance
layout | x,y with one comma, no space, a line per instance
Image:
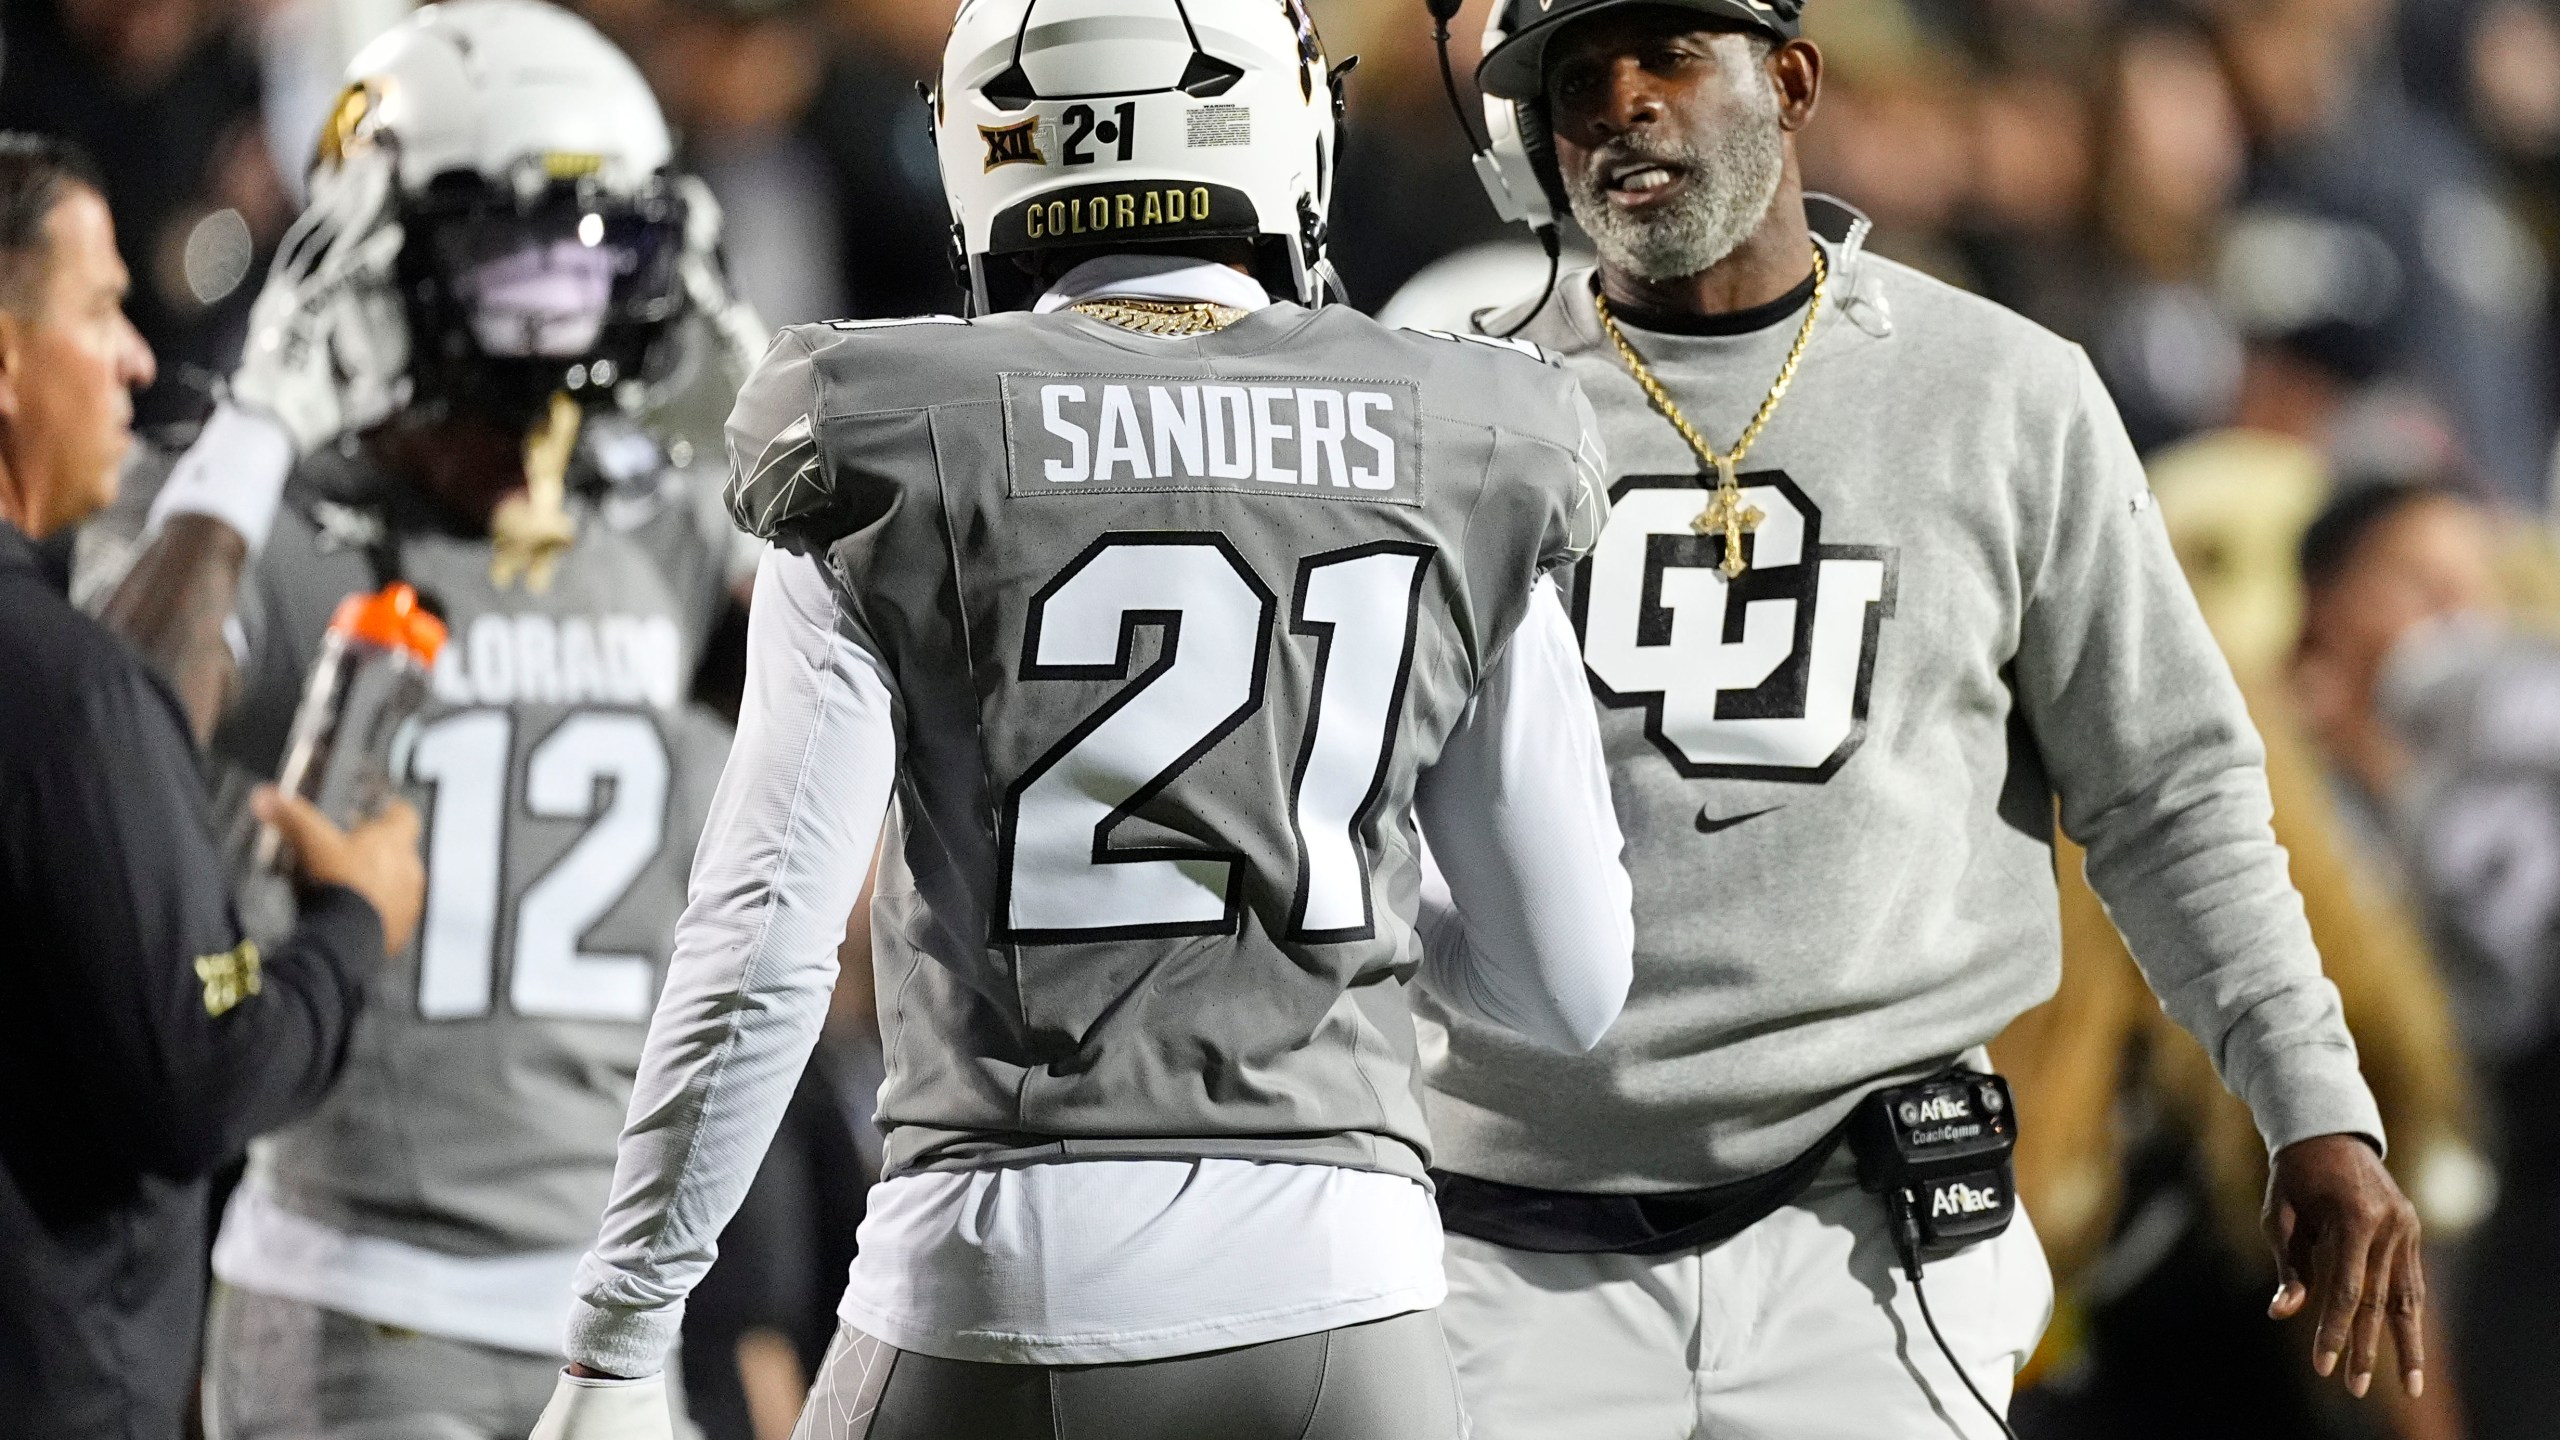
1800,1328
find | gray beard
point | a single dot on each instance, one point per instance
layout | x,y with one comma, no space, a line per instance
1731,187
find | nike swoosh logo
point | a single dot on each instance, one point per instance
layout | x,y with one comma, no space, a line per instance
1709,825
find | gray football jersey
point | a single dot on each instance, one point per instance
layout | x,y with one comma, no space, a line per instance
1174,626
562,773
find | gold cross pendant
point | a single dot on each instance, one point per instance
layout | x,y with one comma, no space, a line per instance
1729,516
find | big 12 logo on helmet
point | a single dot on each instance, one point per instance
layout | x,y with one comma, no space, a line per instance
1760,678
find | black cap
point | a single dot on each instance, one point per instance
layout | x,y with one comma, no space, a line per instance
1516,68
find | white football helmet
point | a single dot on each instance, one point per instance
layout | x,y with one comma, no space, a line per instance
544,243
1117,123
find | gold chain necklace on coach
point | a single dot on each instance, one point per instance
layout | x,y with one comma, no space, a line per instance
1726,514
1162,317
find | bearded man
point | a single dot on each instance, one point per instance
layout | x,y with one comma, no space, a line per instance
1881,581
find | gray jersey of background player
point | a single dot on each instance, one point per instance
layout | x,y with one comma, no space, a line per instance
565,769
1006,508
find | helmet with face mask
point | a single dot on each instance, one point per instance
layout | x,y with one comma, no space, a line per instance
1067,124
543,234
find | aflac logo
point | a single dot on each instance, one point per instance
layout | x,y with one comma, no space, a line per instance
1962,1199
1934,1109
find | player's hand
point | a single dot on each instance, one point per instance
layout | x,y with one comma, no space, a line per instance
2346,1243
378,859
592,1407
328,342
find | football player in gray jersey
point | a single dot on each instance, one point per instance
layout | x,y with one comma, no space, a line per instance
1162,623
496,268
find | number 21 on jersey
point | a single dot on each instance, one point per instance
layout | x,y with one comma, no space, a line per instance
1064,878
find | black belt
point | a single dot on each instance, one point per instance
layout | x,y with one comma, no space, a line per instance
1566,1222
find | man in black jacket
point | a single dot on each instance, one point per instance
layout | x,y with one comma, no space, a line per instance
142,1039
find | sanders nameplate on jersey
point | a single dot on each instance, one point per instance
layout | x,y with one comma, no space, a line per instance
1317,438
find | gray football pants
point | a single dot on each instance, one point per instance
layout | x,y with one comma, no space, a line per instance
280,1369
1386,1380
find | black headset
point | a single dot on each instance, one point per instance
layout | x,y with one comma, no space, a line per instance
1537,139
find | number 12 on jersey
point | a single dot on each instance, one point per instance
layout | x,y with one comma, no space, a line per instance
1064,880
467,758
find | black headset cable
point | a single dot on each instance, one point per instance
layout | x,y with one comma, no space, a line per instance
1906,1240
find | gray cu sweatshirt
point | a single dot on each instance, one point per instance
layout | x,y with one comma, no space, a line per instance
1837,776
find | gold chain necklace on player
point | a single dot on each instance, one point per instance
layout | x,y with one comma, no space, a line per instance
1162,317
532,529
1725,514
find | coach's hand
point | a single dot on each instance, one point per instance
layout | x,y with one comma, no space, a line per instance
2346,1243
378,859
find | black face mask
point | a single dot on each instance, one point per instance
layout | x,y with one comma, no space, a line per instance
512,299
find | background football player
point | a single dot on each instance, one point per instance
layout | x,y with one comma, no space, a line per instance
1882,579
1163,610
496,271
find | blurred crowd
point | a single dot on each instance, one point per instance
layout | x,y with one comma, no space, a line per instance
2310,245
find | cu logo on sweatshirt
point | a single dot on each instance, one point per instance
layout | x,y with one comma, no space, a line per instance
1762,678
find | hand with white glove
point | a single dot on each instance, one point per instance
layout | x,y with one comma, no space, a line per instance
584,1408
328,346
